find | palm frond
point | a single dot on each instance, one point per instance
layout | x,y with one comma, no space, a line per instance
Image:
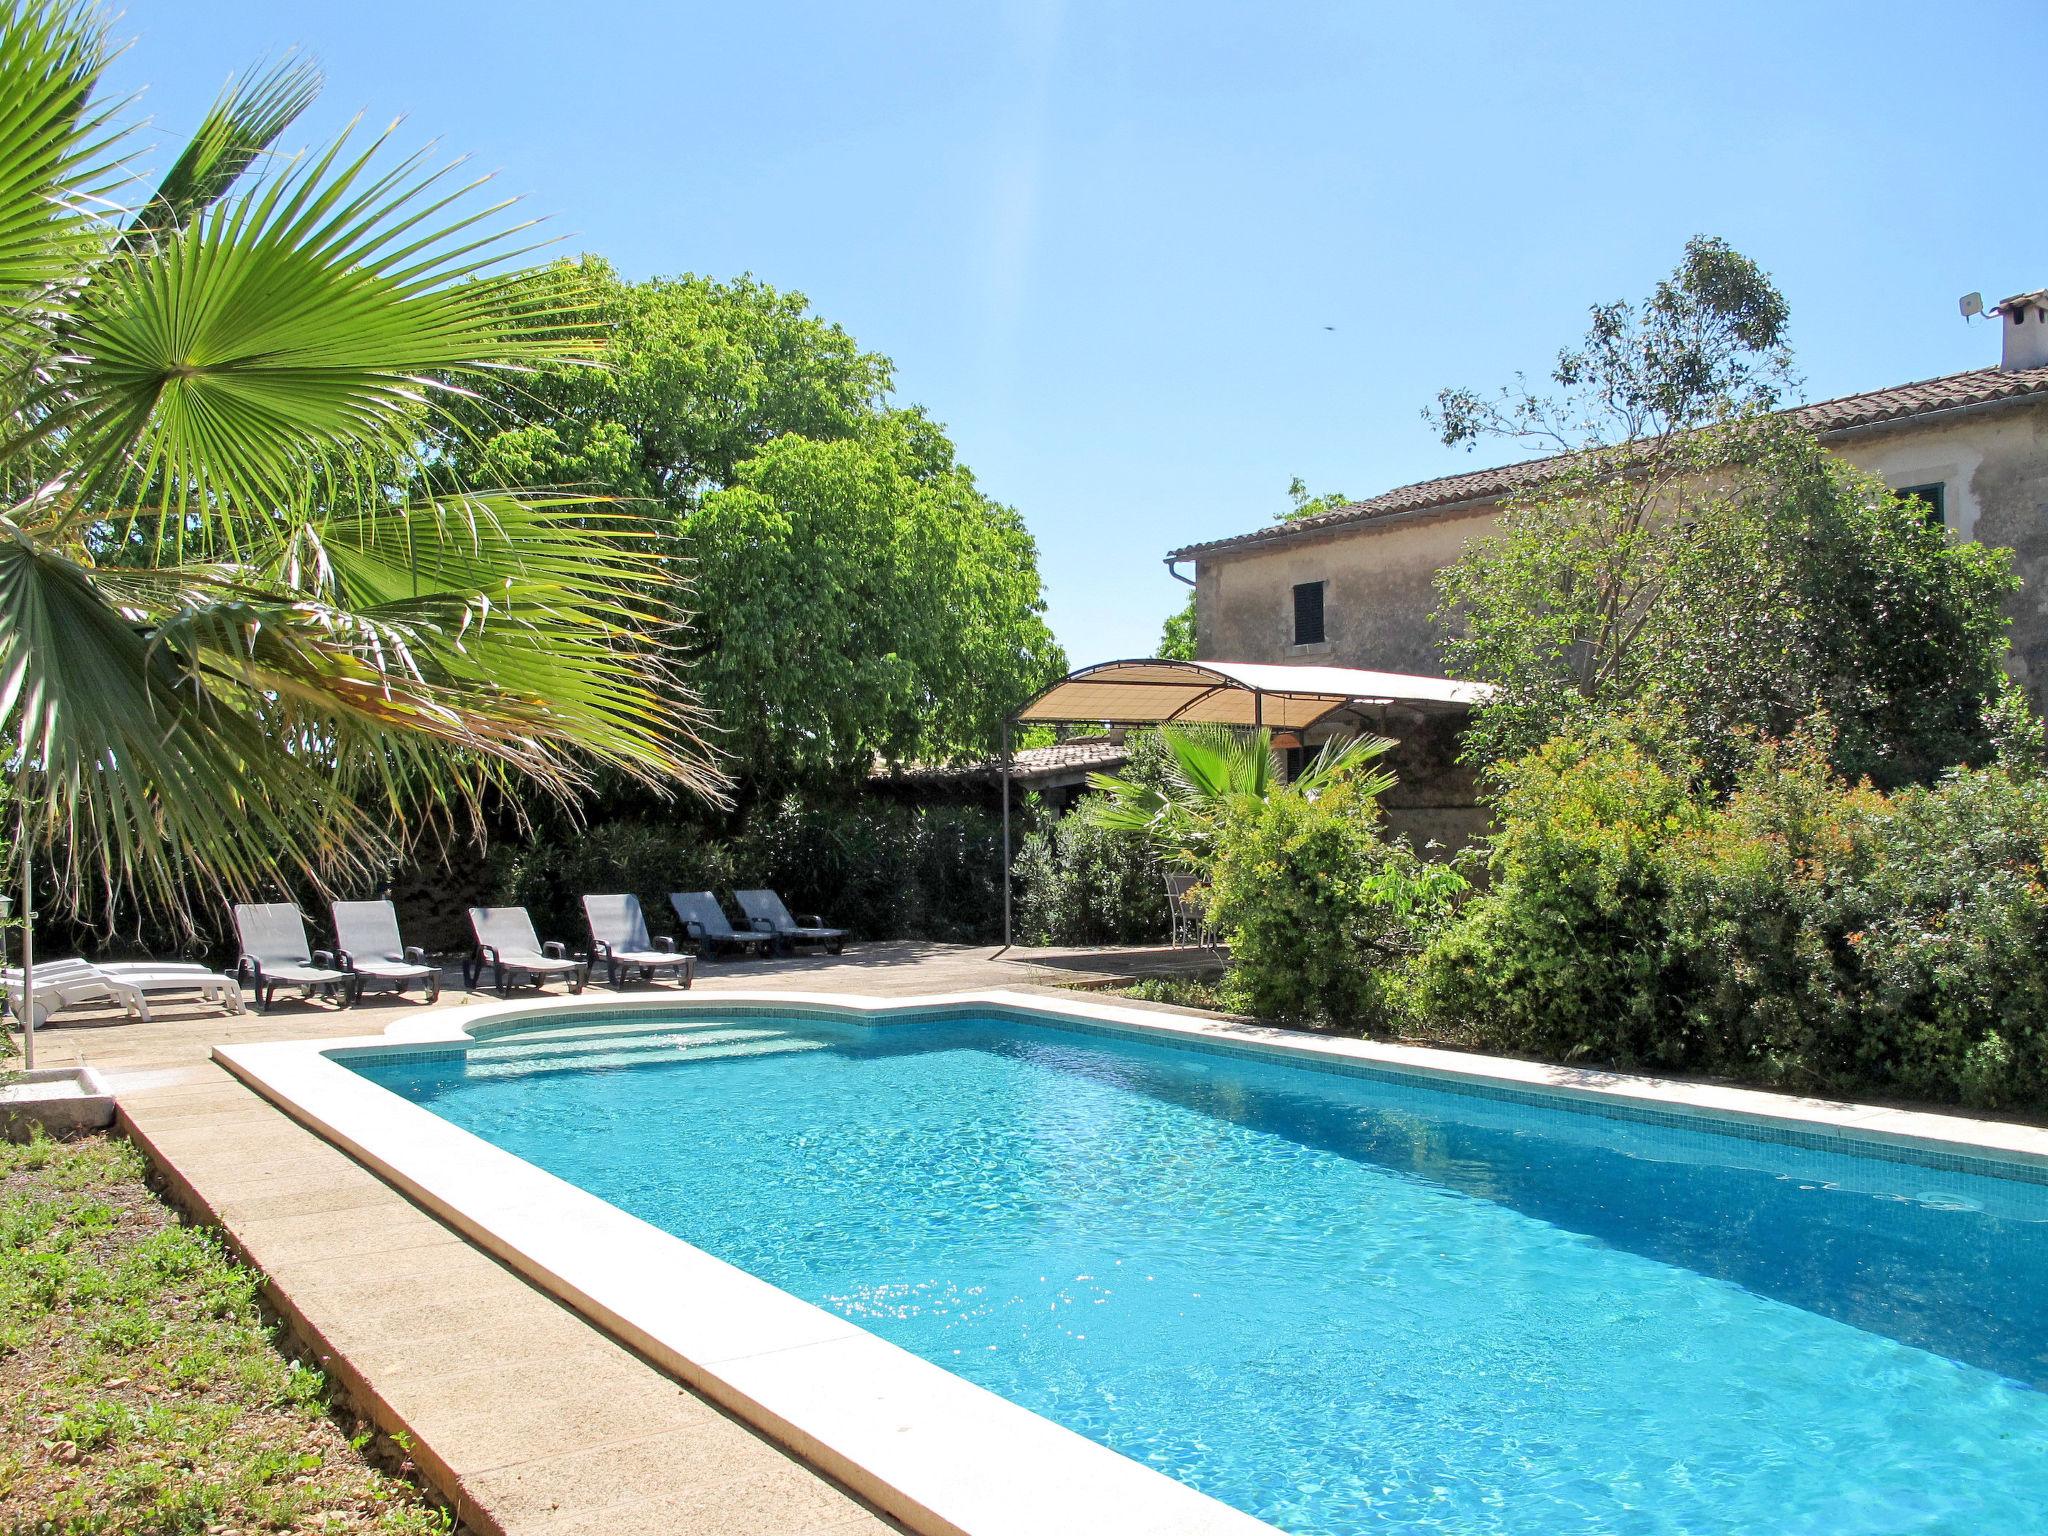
57,165
243,123
131,771
312,316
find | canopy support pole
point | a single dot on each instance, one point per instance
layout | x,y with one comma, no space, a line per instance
1006,836
28,947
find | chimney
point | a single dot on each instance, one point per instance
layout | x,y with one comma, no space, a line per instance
2026,330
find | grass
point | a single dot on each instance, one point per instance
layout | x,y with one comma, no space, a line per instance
142,1387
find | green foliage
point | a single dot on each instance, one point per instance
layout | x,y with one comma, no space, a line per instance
1708,344
878,869
1690,549
1302,503
1081,883
1774,583
857,599
1177,635
856,594
1319,906
1209,772
241,640
1805,932
1564,953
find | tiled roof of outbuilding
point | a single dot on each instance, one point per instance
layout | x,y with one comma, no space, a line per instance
1085,754
1927,397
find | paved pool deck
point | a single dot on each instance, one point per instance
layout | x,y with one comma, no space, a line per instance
523,1416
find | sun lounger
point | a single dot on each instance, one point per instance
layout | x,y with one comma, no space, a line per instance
73,983
368,947
276,953
60,988
506,942
704,920
619,937
766,912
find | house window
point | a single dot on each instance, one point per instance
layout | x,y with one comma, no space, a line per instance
1933,497
1308,613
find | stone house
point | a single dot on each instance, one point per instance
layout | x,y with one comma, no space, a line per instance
1354,587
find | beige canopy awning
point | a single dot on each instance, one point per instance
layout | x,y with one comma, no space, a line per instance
1156,692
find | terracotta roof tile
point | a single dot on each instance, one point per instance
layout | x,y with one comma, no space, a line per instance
1927,397
1093,754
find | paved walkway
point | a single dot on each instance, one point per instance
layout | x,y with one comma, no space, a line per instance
526,1418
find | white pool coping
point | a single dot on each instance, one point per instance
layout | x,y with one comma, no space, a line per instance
931,1449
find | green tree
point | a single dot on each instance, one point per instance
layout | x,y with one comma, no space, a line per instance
1301,503
858,598
242,640
855,593
1693,550
1177,635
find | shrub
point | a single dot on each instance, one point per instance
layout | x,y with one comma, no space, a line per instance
882,871
1564,955
1080,883
1320,907
1807,933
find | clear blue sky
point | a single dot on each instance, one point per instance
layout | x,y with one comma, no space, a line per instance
1102,241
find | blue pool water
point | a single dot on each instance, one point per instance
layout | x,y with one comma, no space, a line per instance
1342,1304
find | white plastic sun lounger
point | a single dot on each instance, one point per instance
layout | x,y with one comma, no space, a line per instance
74,983
766,912
276,953
619,937
506,942
60,986
368,947
704,920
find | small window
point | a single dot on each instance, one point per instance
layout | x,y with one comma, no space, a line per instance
1308,613
1933,497
1296,760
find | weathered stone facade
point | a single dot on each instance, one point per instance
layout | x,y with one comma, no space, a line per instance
1990,461
1976,442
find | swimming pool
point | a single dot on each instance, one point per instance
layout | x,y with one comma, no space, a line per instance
1342,1303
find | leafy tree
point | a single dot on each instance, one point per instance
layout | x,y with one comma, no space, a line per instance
856,594
861,597
1177,635
301,652
1693,550
1301,504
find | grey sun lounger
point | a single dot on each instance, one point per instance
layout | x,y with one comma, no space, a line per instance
619,937
276,953
704,920
506,942
766,912
368,947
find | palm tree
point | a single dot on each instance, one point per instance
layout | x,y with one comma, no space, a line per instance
248,632
1213,770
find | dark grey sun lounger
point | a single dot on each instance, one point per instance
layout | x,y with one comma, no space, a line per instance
276,953
705,921
506,942
368,947
766,912
619,937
